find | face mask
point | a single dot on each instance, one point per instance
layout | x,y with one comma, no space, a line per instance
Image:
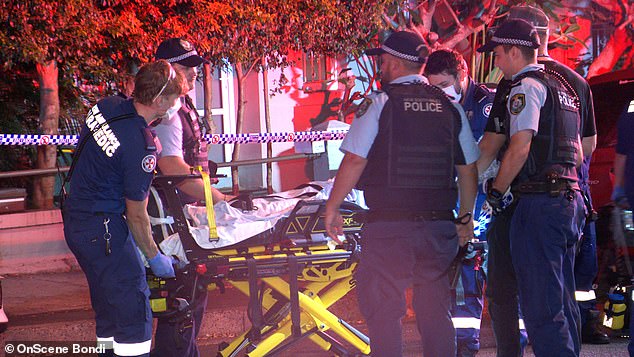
172,110
451,92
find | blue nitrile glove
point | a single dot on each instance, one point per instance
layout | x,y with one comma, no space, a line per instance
494,197
619,197
179,264
162,266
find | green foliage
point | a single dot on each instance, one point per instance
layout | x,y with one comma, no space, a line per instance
68,31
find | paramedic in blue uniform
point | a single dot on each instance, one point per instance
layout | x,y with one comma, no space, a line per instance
181,136
586,265
404,148
447,70
106,224
623,192
542,148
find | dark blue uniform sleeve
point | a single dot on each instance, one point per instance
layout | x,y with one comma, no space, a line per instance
624,143
138,164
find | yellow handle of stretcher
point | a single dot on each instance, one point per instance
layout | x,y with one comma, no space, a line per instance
209,203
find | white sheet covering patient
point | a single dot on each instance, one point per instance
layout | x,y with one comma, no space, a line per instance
234,225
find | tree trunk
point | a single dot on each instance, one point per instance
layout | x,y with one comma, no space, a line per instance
207,95
267,120
47,76
239,123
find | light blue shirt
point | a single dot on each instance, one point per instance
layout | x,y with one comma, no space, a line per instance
365,126
525,101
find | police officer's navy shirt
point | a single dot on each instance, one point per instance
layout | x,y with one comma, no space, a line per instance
116,162
582,89
625,146
365,127
525,102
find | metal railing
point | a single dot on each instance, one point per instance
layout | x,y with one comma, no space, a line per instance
53,171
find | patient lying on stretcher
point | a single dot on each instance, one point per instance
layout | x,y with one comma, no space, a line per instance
235,225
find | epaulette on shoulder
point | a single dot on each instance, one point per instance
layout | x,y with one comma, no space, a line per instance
483,92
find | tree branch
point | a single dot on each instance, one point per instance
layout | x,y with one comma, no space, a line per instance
464,31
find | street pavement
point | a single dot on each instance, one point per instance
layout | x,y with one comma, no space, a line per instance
56,307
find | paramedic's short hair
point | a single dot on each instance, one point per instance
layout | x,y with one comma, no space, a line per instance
155,79
446,61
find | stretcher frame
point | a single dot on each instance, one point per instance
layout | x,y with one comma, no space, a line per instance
281,311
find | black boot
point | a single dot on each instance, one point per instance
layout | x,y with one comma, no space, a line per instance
591,331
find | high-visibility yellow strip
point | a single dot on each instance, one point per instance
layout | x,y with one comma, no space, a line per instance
209,203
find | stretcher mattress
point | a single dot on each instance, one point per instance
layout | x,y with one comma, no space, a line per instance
235,226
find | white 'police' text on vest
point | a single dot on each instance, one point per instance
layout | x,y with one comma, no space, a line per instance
101,132
422,105
567,101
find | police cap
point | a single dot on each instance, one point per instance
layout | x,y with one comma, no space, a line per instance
514,32
404,45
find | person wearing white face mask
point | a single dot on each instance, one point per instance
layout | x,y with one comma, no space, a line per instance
181,135
447,70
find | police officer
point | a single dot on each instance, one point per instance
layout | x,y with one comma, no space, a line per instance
623,192
181,137
105,217
501,291
447,70
586,265
404,148
181,134
542,149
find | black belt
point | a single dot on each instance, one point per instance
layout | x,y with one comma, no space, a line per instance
409,216
544,187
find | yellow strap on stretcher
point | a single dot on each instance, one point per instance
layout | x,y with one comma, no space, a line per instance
209,203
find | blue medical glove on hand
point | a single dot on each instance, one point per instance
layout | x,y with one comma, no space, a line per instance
494,198
162,266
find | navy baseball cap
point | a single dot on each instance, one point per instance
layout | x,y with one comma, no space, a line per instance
177,50
514,32
534,15
404,45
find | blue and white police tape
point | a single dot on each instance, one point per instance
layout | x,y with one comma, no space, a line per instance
34,139
486,213
216,139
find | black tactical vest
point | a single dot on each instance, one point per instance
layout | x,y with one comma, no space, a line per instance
194,148
410,164
555,147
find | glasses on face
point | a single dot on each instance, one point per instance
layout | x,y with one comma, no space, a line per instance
171,76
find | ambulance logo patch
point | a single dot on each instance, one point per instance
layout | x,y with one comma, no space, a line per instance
363,107
487,110
148,164
518,102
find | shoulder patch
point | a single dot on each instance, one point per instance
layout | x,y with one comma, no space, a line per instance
630,109
486,110
363,107
517,103
148,164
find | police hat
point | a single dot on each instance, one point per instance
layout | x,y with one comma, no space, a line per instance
177,50
535,16
514,32
404,45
